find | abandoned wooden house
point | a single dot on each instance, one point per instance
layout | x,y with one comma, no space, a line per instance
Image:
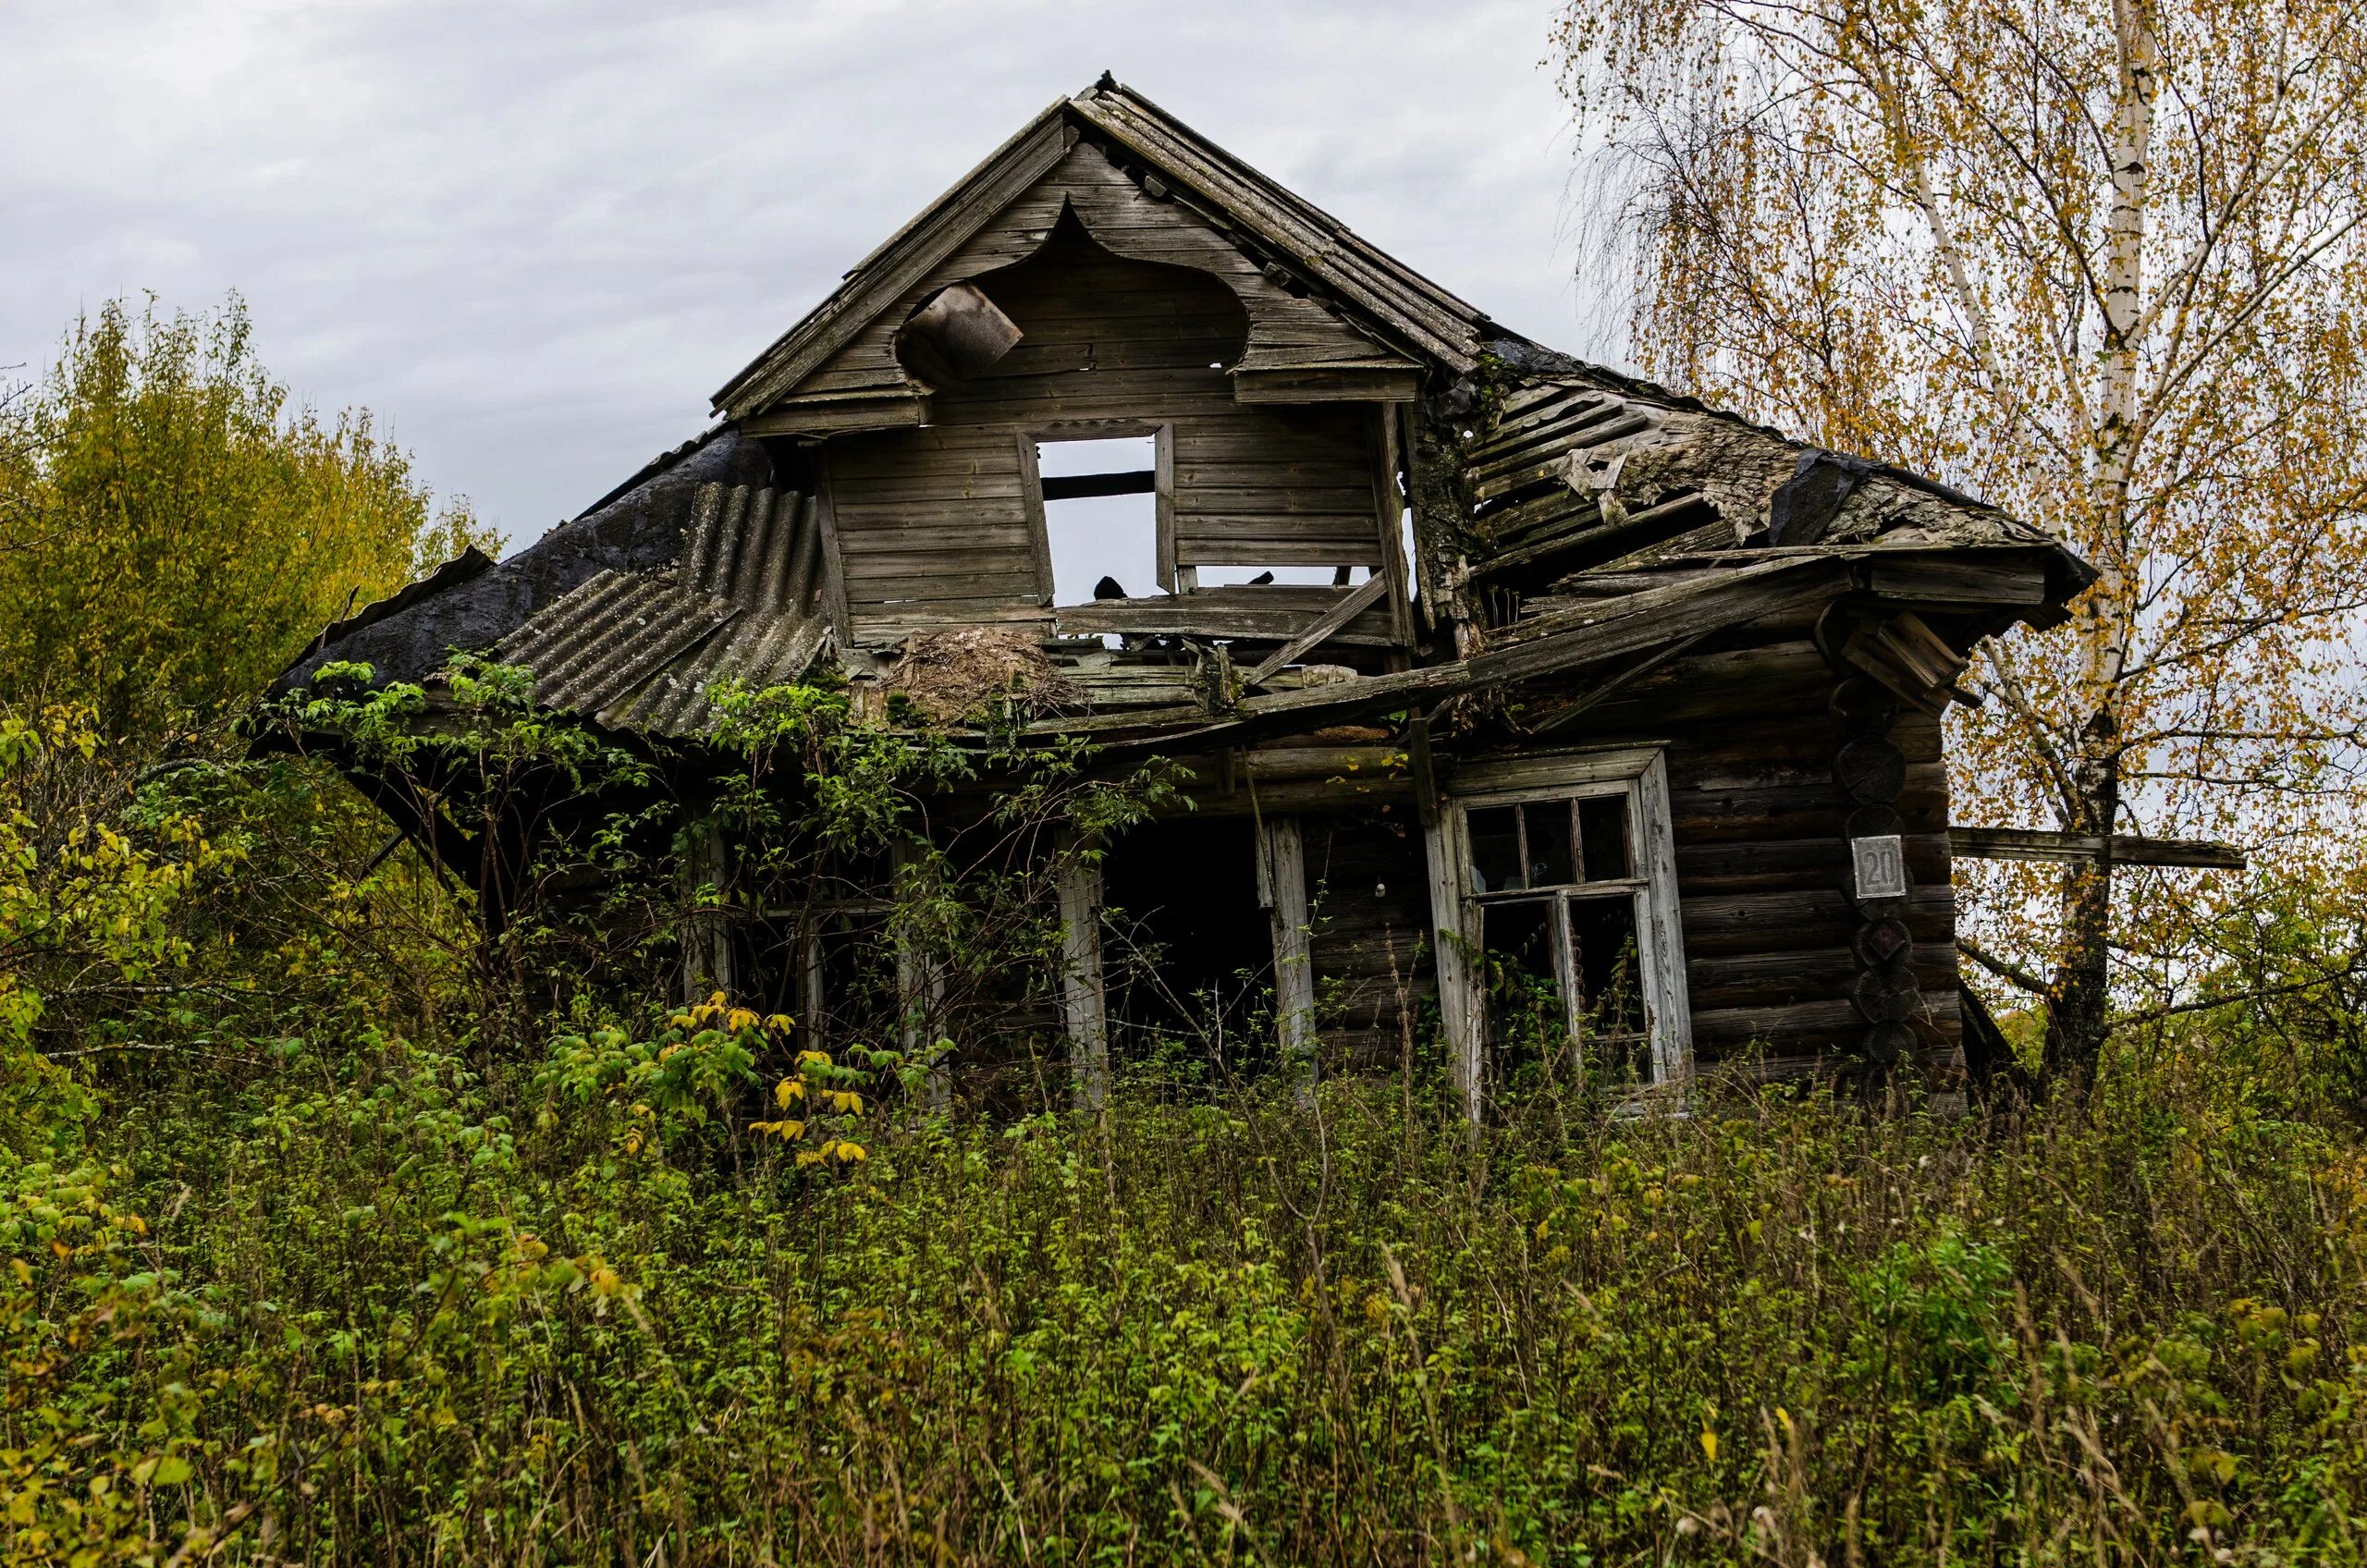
1491,665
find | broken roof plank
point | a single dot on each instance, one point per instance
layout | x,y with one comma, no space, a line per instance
1333,619
1642,621
2127,849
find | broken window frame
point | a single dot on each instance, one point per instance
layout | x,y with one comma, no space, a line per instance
1640,776
1162,434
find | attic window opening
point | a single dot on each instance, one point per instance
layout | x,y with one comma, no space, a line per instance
1281,576
1101,506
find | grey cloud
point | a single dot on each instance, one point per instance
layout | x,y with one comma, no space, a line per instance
533,237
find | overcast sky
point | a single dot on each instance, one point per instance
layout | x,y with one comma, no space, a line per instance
533,237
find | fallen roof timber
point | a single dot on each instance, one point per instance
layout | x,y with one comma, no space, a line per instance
1640,622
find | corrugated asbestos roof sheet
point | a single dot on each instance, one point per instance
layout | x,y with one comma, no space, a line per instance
643,649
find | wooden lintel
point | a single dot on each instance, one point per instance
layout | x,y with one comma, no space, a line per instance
2127,849
1327,383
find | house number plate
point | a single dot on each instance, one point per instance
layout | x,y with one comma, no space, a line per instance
1881,865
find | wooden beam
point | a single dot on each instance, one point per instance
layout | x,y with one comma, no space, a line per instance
1082,1014
1284,853
1978,580
1389,504
1450,948
1361,384
1568,639
1262,613
1365,596
1617,681
706,932
1170,567
841,415
2127,849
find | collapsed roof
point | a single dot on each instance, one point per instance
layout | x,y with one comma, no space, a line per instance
1588,517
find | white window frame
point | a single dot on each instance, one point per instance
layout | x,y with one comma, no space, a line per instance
1638,773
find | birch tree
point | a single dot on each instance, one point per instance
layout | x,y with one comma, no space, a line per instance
2098,261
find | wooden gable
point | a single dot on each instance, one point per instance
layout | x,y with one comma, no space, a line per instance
1298,349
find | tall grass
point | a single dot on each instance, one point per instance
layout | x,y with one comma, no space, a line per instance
370,1307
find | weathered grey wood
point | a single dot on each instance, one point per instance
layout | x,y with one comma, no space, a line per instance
1081,994
1291,383
1163,470
838,414
1630,526
2127,849
1938,581
1285,866
1357,601
1389,507
1745,595
1040,535
1612,685
1362,763
834,580
899,262
1550,465
1660,935
1452,949
1256,613
705,934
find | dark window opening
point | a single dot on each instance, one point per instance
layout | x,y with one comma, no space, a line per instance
1285,576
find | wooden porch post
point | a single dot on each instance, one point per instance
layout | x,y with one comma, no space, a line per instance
1282,867
706,936
1458,988
1082,1016
920,995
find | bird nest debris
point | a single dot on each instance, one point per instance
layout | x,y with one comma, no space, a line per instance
949,676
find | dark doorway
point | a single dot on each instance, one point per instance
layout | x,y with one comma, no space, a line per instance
1189,957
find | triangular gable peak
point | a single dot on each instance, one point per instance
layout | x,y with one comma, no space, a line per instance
1329,318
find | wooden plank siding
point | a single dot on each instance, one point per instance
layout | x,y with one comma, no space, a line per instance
935,524
1280,328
